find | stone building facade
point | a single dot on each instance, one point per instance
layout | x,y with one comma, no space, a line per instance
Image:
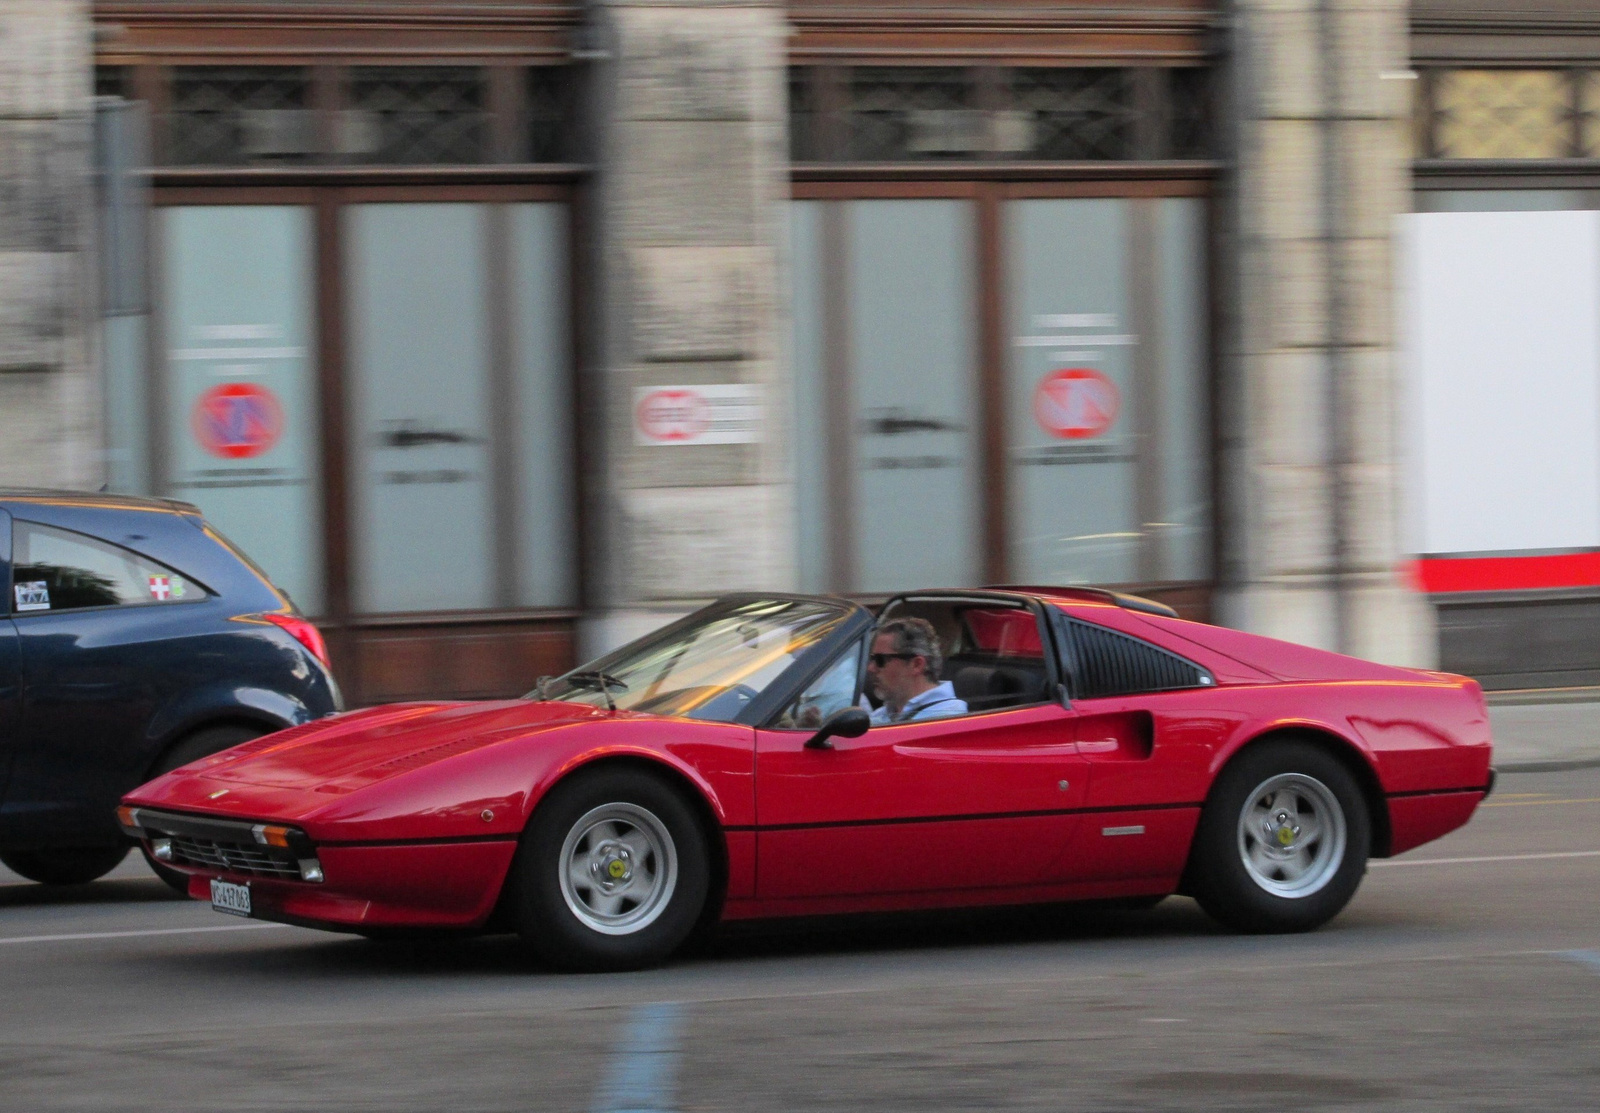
49,395
538,324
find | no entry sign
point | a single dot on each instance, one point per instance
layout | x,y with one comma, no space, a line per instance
723,413
673,415
237,420
1076,403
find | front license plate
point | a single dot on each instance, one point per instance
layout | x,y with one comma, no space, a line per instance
230,898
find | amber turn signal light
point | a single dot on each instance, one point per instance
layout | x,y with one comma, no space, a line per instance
269,834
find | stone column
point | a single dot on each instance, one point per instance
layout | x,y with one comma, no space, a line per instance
49,397
1311,389
689,122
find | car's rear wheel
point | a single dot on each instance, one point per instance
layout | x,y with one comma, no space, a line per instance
612,873
202,743
1283,839
66,865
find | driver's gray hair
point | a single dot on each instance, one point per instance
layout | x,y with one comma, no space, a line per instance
915,636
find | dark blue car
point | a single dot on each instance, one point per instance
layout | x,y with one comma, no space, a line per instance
133,639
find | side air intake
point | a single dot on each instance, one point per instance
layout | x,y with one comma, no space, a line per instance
1111,664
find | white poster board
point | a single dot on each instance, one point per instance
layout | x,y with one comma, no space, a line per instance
1500,318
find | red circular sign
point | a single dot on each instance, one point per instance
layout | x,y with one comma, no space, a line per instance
237,420
673,415
1076,402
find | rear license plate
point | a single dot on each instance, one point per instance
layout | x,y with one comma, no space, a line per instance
230,898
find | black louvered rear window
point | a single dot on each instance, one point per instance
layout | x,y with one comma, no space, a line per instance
1112,664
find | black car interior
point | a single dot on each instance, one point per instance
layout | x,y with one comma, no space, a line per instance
994,652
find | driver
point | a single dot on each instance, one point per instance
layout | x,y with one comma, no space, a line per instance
903,671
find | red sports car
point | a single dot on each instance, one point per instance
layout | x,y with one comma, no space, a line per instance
1087,746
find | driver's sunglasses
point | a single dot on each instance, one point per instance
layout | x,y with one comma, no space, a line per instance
880,659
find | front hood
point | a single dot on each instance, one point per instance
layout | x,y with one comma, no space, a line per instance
348,752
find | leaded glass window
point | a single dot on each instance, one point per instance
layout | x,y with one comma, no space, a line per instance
1190,92
1590,113
235,115
1508,114
416,115
547,113
802,116
912,112
110,81
1076,113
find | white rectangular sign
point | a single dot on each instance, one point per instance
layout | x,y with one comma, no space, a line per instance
1501,312
725,413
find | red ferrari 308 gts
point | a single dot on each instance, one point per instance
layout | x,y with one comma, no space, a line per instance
725,767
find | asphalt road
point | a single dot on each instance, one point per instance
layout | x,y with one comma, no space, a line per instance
1464,976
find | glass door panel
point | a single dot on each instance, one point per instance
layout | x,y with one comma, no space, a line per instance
420,453
242,421
913,347
1070,401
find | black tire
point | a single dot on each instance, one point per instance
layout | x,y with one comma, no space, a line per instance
64,865
565,933
193,747
1244,875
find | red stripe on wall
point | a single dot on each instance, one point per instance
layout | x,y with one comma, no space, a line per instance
1507,573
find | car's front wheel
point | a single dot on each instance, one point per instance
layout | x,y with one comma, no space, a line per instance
73,865
612,873
1283,839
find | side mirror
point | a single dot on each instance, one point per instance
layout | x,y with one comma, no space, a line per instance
850,722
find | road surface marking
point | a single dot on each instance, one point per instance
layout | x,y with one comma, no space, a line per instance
1489,858
1591,959
132,934
644,1070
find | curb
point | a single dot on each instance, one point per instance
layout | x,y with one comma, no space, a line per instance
1521,697
1546,766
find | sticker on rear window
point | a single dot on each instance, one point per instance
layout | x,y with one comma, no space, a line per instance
32,596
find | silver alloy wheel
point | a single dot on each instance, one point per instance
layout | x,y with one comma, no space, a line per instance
1292,835
618,868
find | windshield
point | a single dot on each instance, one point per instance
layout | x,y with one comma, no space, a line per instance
710,669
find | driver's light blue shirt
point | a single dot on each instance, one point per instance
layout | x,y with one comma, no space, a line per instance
938,702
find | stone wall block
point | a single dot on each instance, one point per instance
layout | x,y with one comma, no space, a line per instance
1284,59
38,307
1288,201
704,184
678,465
1289,404
697,64
1390,623
1369,292
700,303
1296,610
1294,296
1372,388
45,58
1371,42
27,430
1372,538
1377,177
1294,517
699,542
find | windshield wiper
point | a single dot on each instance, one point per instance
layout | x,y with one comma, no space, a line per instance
600,681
